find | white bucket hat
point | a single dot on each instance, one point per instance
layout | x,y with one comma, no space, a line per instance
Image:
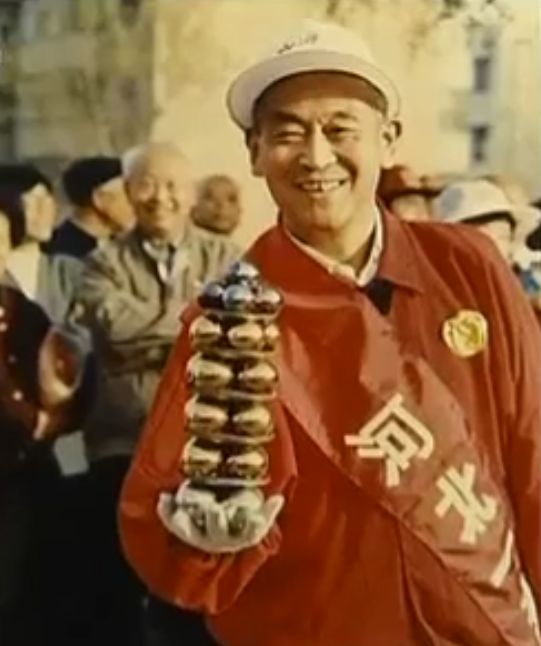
468,200
312,47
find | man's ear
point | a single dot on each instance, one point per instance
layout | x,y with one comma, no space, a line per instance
99,199
252,139
390,135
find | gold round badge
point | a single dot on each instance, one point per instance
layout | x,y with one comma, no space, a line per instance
466,333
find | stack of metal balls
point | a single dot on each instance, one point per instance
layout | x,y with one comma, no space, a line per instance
233,380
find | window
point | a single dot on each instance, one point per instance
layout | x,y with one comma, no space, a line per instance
480,136
129,11
482,74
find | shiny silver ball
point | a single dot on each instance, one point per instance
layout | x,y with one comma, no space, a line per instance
212,296
267,300
242,272
238,298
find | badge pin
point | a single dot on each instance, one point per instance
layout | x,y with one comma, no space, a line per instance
466,333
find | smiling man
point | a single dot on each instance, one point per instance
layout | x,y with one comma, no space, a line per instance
404,500
131,295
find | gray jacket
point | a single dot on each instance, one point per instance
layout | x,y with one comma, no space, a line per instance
58,278
132,308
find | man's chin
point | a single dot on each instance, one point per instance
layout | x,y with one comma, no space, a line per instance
327,222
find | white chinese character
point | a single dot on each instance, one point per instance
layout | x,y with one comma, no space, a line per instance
458,494
527,604
395,436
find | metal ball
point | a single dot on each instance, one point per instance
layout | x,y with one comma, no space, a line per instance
238,298
212,296
268,300
205,332
253,421
249,465
204,417
242,272
207,374
271,335
245,336
260,377
199,461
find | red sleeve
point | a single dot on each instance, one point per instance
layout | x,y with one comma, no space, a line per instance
172,570
521,339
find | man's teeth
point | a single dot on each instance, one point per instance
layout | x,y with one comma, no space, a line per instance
320,186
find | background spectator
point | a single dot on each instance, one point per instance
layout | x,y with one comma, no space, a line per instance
95,189
404,193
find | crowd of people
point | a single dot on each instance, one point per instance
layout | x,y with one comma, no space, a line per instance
90,326
91,310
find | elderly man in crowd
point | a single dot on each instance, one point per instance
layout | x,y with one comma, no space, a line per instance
132,294
404,502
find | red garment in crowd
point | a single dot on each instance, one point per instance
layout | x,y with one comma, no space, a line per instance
433,539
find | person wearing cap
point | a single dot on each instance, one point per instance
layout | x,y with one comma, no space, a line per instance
404,193
483,205
404,502
95,188
131,295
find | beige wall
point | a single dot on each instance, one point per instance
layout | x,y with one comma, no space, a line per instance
517,100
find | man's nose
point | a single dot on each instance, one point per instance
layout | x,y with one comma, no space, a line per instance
162,193
318,151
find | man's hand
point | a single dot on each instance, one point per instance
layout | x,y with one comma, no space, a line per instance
59,369
48,425
234,524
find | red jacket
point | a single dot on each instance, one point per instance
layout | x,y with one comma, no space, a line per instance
439,546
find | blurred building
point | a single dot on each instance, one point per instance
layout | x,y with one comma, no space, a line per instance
82,71
102,75
500,106
9,22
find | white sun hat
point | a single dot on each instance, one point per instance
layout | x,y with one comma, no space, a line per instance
471,199
312,47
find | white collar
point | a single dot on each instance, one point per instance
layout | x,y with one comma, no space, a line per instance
364,275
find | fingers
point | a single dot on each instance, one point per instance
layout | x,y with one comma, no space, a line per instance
42,427
184,526
186,495
247,499
227,527
217,525
165,508
273,507
39,434
175,519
